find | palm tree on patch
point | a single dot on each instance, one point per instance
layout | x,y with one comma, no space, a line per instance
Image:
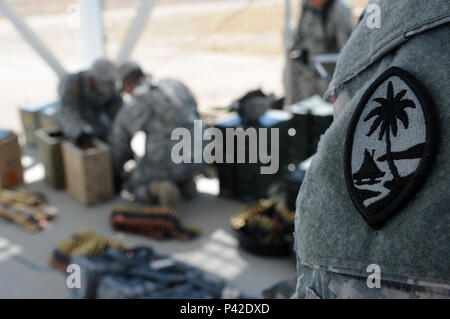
391,109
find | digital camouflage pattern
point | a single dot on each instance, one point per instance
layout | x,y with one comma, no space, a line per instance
157,108
316,282
83,110
319,31
282,290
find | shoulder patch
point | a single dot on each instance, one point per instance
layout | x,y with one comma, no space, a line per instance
390,145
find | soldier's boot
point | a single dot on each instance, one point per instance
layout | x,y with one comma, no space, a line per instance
165,191
189,189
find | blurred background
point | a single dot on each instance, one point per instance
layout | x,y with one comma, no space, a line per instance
220,49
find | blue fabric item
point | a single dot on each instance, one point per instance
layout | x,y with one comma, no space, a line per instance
271,118
233,122
36,107
5,133
51,110
142,273
274,117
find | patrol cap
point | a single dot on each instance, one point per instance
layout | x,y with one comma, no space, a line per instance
104,70
105,74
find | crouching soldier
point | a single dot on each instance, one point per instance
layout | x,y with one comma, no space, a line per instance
89,103
155,109
386,233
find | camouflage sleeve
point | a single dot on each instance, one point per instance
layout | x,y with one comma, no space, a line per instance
115,106
69,115
296,41
342,24
181,97
329,283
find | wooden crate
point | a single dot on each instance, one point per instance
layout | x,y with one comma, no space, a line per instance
11,171
49,143
88,173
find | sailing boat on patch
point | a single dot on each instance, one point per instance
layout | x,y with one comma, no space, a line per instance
369,173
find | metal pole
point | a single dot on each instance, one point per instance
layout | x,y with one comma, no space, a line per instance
136,28
287,41
92,30
31,38
287,24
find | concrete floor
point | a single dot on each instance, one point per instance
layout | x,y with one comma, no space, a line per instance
24,268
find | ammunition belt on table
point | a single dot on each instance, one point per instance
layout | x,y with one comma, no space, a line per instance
25,209
24,197
160,222
26,222
82,243
264,223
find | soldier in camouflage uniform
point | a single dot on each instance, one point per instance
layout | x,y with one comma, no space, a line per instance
89,102
324,27
156,108
334,244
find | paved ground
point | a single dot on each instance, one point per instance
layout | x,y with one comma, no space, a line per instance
24,269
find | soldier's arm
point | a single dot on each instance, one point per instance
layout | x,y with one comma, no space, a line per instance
69,115
296,41
342,22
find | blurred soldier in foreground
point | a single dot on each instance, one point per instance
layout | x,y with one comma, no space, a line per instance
156,109
387,233
324,27
89,103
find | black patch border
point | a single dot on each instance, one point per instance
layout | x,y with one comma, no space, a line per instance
431,148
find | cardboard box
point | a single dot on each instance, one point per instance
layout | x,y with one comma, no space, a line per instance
11,171
88,172
49,143
31,121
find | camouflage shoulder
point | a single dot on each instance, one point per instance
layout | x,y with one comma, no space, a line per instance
70,84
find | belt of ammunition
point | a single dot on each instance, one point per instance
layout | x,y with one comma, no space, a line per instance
87,243
156,222
21,197
265,220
